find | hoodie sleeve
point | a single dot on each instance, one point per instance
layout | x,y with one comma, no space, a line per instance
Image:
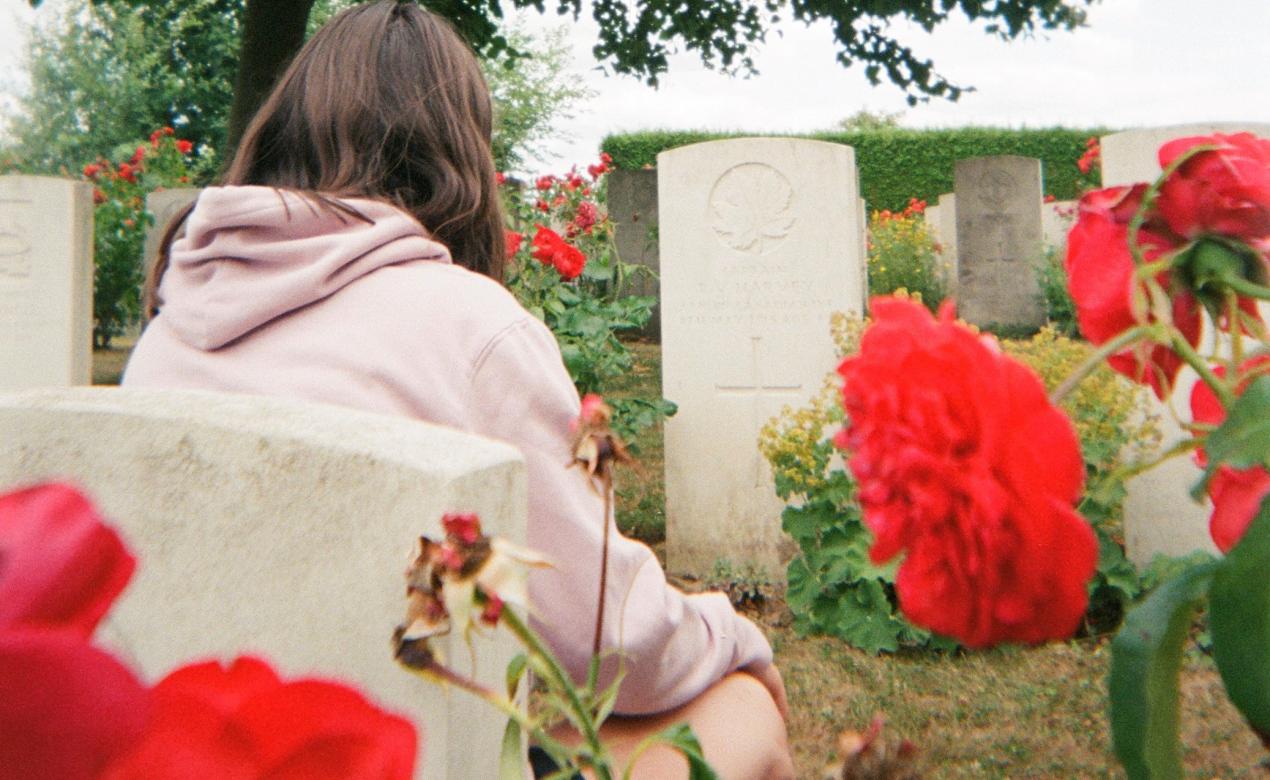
674,645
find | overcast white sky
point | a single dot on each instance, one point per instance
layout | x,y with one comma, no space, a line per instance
1138,63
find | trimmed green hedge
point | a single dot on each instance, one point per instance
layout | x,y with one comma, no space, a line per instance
898,164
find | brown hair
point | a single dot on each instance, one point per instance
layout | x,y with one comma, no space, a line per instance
386,101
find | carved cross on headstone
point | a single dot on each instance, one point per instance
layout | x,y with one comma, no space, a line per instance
757,389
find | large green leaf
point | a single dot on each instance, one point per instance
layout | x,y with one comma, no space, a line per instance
1146,657
1239,619
681,738
511,759
1243,440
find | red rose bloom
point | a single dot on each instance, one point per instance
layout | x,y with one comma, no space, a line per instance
66,708
60,566
184,147
91,170
550,249
1224,191
586,216
544,183
513,240
138,155
127,173
500,178
1100,278
963,463
242,721
1236,493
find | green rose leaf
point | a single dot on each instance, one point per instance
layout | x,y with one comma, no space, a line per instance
1239,619
681,738
1146,656
1243,440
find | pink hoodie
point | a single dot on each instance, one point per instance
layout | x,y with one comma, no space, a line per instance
268,294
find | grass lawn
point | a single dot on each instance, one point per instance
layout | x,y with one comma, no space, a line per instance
1010,712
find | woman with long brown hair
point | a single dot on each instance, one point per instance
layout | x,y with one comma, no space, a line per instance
353,255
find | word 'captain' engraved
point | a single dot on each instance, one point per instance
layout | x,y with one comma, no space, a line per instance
751,208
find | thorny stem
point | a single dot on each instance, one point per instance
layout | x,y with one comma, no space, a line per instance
606,480
1140,216
1193,359
1095,360
585,721
1247,287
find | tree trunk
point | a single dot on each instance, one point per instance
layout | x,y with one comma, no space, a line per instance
273,31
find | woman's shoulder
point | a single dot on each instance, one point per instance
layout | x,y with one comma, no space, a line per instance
435,297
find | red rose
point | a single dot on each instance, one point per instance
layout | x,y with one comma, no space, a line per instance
138,155
242,721
550,249
586,216
1049,199
127,173
1100,278
1236,493
542,205
91,170
60,566
184,147
544,183
499,178
513,240
1225,190
596,171
963,463
66,708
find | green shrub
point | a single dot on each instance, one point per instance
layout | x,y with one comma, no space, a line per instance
834,589
120,220
903,256
585,313
896,164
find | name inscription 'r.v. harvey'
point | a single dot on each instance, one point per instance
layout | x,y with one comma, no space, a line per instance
751,208
15,243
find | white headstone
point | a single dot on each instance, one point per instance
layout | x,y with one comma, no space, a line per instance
862,229
760,244
1160,517
46,282
999,240
163,205
1132,156
278,527
1057,218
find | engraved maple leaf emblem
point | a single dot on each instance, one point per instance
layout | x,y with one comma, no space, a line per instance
750,208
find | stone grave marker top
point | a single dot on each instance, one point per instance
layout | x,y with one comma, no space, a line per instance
293,520
46,282
759,245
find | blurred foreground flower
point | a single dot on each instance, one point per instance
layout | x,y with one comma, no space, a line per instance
242,721
68,709
965,465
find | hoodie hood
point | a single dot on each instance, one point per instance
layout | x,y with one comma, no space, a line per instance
252,254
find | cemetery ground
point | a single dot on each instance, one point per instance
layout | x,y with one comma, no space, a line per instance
1007,712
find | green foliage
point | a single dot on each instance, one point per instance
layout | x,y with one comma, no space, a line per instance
1146,660
1060,310
1239,619
1243,440
903,256
533,96
898,164
586,314
120,221
835,589
106,74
